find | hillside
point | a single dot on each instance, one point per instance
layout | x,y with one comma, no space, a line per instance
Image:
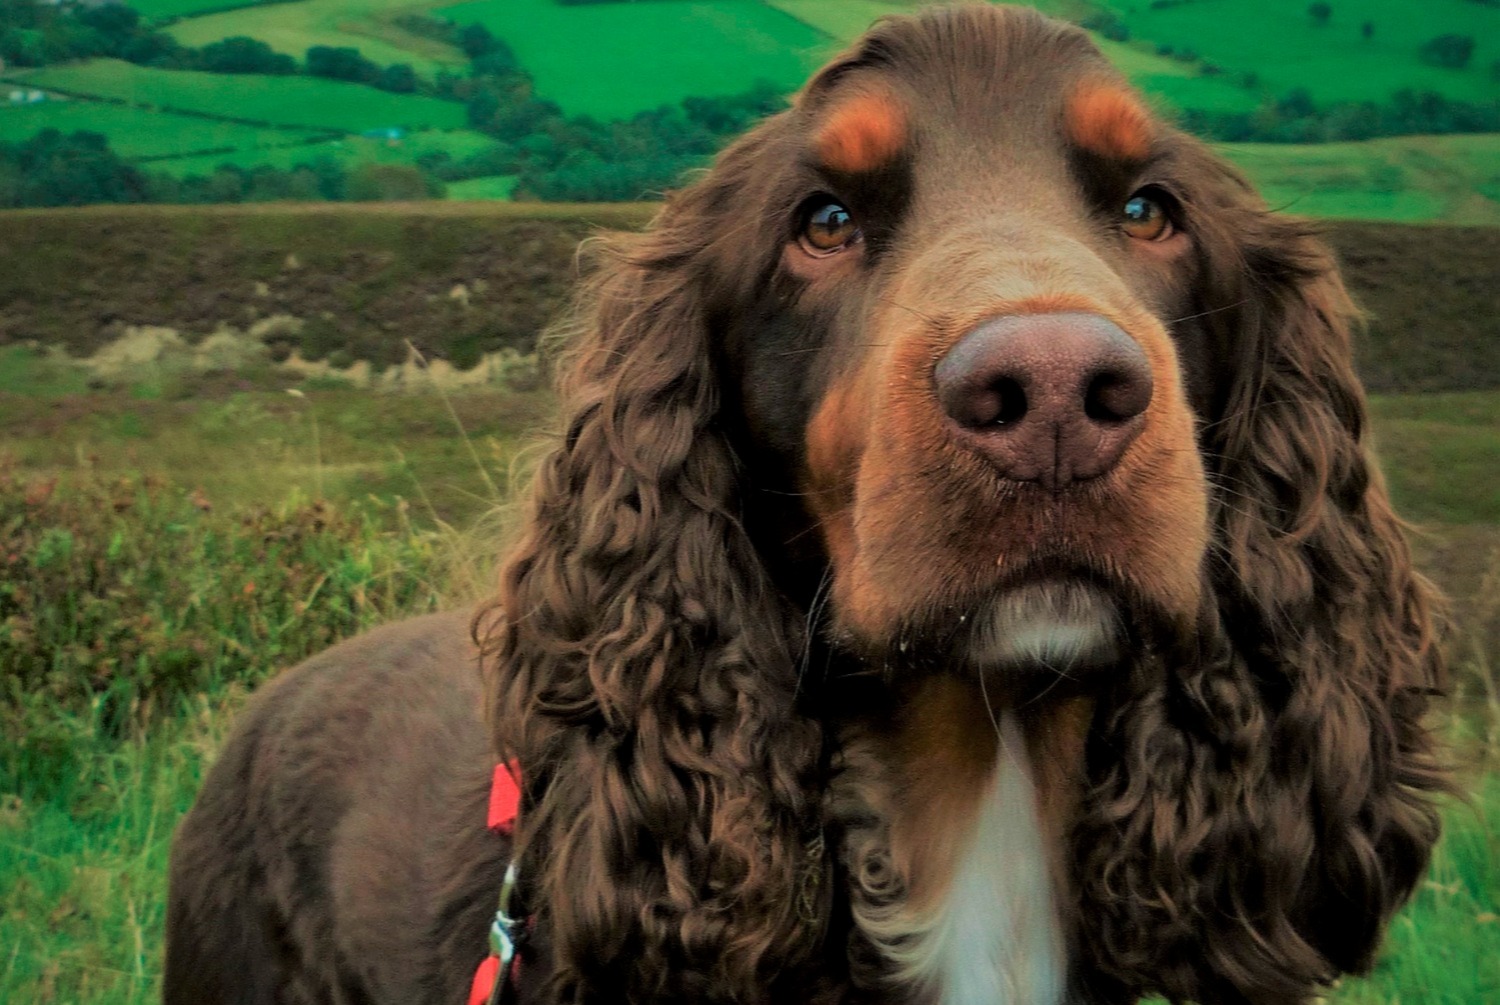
1223,66
458,281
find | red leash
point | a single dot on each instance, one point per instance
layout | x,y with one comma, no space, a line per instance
489,984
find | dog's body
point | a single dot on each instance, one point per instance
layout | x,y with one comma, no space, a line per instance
316,867
959,580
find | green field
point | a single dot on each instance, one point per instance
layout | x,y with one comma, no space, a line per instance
1279,42
615,59
159,10
346,150
493,187
293,28
291,101
1453,179
138,132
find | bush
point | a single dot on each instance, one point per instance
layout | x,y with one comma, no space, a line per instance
1320,13
341,63
1448,51
120,599
240,54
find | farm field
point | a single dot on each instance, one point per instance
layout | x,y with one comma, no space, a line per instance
346,150
294,27
491,187
639,56
139,132
1279,41
291,101
164,10
1451,179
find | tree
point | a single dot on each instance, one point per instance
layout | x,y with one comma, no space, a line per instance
398,77
1367,30
1320,13
341,63
1449,51
239,54
382,182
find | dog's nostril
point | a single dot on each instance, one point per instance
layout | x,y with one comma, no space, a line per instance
1011,404
1117,395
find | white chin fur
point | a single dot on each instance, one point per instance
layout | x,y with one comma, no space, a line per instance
1057,624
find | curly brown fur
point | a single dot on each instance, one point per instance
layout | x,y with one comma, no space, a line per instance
790,644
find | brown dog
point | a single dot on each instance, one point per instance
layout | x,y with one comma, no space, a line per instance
959,579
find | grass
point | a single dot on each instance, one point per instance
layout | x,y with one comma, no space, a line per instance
138,132
241,447
1279,42
1449,179
307,102
493,187
164,10
1442,453
347,150
639,56
293,28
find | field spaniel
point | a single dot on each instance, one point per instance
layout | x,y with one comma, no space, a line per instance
959,578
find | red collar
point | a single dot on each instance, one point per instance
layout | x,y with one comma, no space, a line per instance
501,968
505,797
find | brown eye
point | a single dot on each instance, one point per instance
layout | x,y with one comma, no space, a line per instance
1145,218
827,227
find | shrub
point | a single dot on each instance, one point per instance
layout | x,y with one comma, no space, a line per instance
1320,13
1448,51
120,599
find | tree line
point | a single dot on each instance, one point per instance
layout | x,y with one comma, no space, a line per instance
39,34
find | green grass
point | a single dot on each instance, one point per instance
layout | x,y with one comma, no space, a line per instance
291,101
1277,40
1452,179
137,132
158,10
347,150
1441,453
246,448
293,28
493,187
612,60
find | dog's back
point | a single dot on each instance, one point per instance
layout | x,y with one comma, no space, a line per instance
369,760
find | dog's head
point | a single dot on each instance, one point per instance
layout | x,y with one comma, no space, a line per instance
967,364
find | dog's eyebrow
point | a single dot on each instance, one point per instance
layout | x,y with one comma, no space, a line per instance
1106,119
861,133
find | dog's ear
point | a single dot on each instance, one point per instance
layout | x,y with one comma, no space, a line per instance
1263,804
638,659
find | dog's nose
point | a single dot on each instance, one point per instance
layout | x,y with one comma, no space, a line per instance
1049,398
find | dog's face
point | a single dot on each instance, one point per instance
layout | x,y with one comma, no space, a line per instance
964,338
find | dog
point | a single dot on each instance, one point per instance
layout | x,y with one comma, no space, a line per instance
959,578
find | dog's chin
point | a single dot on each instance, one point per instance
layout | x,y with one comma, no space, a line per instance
1051,635
1061,625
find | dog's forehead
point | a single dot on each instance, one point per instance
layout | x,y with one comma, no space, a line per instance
970,81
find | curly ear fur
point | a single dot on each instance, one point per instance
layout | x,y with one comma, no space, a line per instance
1261,806
639,663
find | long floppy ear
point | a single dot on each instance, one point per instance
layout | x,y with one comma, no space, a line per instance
638,658
1262,804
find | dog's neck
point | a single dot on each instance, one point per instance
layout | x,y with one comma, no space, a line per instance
954,822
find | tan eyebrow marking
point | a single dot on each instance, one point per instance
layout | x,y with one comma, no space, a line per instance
1106,119
863,132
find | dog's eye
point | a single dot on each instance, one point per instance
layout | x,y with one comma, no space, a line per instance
827,227
1145,217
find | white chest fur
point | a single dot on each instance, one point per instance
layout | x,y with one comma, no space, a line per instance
994,938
